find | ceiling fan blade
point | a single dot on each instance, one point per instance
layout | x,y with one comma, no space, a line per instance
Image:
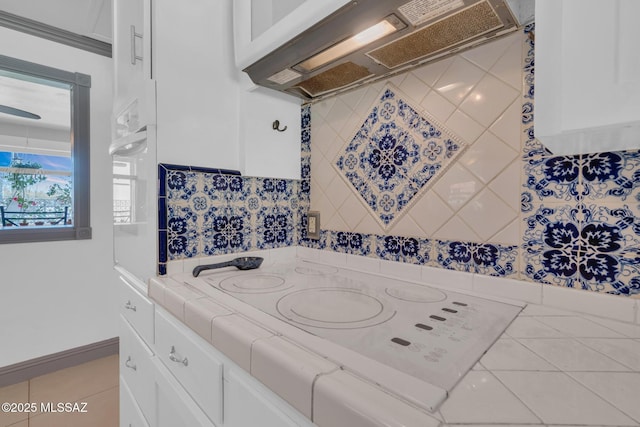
20,113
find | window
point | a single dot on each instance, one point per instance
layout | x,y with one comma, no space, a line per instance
44,153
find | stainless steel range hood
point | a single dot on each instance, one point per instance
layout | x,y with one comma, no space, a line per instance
369,39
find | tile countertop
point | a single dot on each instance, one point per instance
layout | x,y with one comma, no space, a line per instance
550,367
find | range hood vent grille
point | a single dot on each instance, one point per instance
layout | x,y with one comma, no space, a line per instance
334,78
451,31
424,30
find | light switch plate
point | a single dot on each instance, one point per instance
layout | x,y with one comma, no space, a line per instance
313,225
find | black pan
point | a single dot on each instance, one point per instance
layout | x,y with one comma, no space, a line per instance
242,263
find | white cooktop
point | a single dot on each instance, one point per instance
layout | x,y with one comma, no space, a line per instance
424,332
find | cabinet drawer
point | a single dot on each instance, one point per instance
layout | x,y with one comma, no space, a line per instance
136,369
187,357
137,309
130,413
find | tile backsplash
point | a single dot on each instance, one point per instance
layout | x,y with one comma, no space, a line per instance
437,167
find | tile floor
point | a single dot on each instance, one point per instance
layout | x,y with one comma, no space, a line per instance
95,383
553,367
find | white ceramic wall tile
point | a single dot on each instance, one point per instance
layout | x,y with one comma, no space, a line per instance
489,156
322,171
414,88
438,106
509,235
488,100
486,55
353,97
507,126
504,185
337,191
543,310
570,355
431,72
407,226
367,264
447,278
558,399
619,389
509,355
336,223
624,351
467,128
369,97
508,67
323,107
457,186
352,212
458,80
337,116
590,302
430,212
508,288
401,270
487,214
476,398
456,229
578,326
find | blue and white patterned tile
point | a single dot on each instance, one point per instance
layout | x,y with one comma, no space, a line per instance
482,258
550,246
351,243
611,176
305,140
609,258
225,189
226,230
305,116
305,166
395,155
552,179
496,260
405,249
320,243
181,185
274,191
454,255
275,228
183,237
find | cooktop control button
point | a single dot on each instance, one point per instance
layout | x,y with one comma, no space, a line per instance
423,326
434,317
449,310
460,303
400,341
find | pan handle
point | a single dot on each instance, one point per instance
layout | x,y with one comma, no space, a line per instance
199,269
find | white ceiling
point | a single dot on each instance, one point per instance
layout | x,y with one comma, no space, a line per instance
90,18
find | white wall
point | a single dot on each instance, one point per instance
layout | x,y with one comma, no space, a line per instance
196,84
59,295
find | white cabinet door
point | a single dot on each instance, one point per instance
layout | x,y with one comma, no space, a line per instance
587,85
247,403
130,413
175,408
131,50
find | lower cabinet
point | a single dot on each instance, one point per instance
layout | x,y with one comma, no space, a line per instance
174,406
182,380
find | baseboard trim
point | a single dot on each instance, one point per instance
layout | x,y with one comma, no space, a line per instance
26,370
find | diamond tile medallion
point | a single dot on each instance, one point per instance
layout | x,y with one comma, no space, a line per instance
395,156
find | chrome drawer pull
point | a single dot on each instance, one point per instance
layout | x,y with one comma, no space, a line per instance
173,358
130,365
130,306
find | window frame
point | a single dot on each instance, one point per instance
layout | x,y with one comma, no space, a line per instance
80,85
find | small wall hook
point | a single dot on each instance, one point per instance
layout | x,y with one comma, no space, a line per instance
276,126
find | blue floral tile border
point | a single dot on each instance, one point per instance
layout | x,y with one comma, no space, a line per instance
395,156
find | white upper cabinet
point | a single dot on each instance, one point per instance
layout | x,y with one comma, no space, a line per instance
131,51
587,84
260,26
